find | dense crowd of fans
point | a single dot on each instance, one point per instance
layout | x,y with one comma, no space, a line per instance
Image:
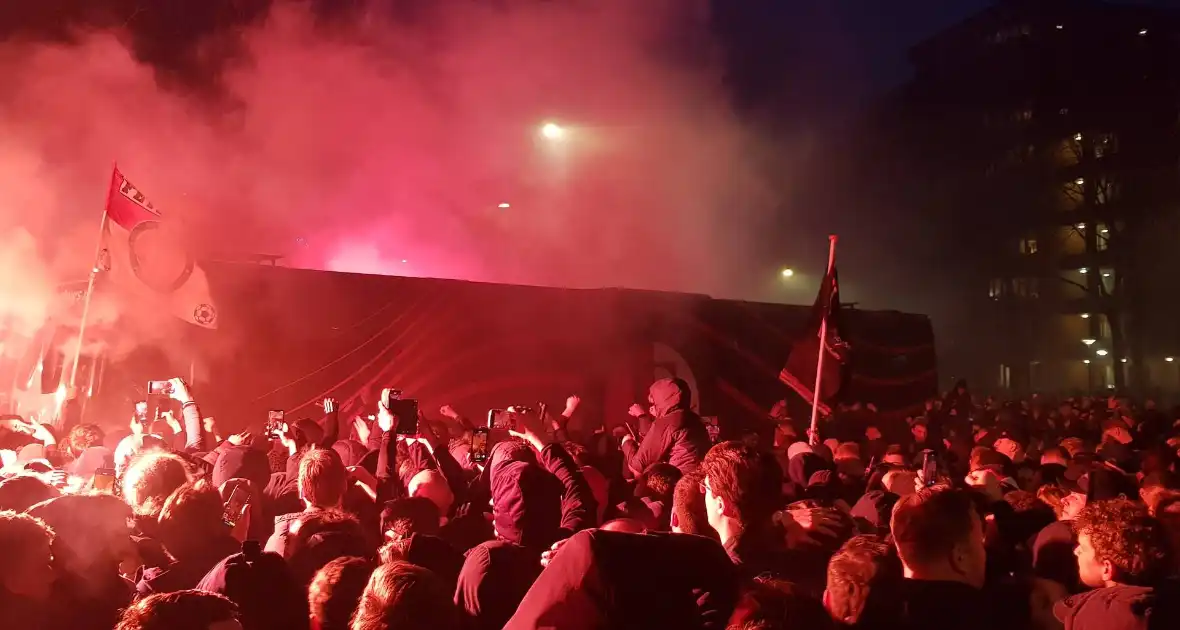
974,514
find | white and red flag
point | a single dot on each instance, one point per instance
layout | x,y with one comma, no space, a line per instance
144,255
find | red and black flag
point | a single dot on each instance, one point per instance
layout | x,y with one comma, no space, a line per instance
799,373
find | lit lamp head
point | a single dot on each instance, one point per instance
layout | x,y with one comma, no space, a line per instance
552,131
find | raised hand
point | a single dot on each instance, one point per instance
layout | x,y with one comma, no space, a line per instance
180,391
362,429
385,420
571,405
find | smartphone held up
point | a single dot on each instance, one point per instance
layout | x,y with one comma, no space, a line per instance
275,419
235,507
479,445
403,410
159,388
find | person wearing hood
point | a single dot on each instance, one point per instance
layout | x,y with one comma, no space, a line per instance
538,497
677,436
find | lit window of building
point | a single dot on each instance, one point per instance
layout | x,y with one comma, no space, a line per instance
1028,246
1102,239
1026,287
1106,191
1108,280
1105,144
995,290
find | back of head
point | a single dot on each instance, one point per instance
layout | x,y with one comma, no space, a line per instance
322,536
25,546
526,504
403,518
770,604
22,492
939,535
82,437
407,597
1055,455
689,515
658,482
241,462
847,450
89,529
668,395
1122,533
432,485
335,592
625,525
864,583
323,479
191,516
181,610
746,479
150,478
263,588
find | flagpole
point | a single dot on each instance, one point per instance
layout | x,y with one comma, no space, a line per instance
813,432
102,228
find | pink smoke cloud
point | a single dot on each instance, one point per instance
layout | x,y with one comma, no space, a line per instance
387,147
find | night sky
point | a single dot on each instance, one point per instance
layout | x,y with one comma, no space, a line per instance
806,67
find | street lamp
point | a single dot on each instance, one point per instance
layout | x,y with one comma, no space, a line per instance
1101,353
787,273
504,205
552,131
1089,342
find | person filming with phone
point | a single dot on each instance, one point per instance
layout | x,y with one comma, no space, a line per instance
538,496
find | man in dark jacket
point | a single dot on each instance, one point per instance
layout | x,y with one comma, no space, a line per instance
678,436
603,579
939,538
538,497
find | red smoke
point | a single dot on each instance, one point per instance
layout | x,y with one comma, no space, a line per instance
387,147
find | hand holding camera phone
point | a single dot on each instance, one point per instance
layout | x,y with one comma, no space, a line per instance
479,445
159,388
275,419
235,507
104,480
403,410
929,468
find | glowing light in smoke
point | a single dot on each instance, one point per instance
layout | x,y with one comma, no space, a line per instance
505,205
552,131
787,273
1101,353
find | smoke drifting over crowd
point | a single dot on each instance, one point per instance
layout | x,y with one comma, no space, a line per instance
398,144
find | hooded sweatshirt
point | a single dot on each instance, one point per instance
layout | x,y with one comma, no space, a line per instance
535,501
678,436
